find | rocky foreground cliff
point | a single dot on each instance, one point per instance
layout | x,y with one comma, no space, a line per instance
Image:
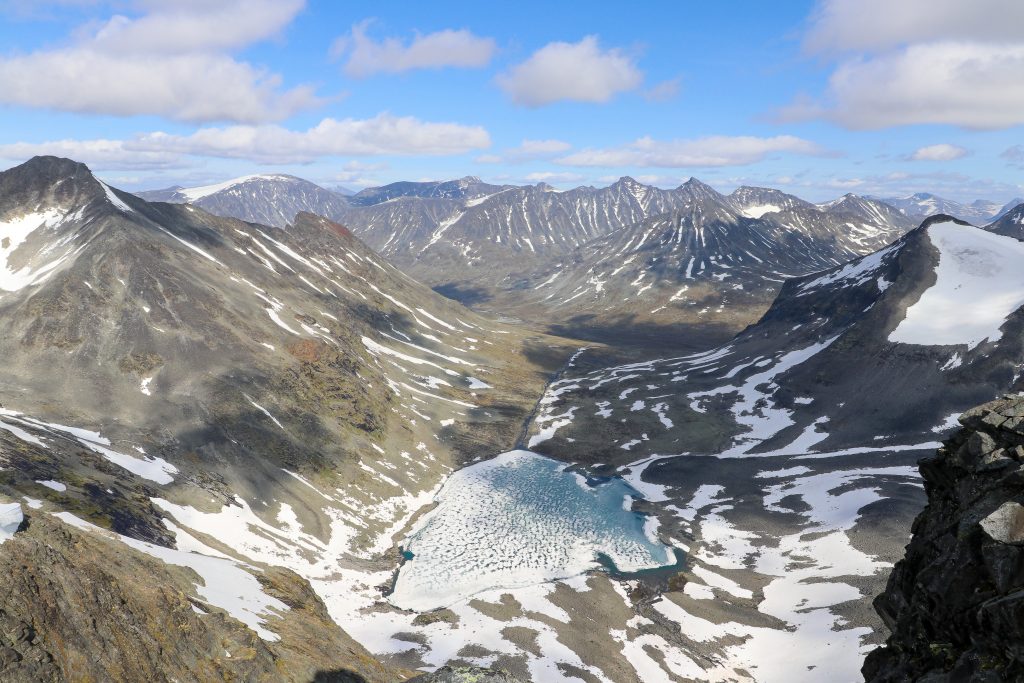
955,603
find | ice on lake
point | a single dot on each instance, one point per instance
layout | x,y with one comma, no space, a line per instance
518,520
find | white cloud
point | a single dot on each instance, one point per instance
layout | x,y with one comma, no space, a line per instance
845,183
871,25
188,87
940,152
528,150
448,48
383,134
579,72
100,155
918,62
171,61
541,147
956,186
716,150
664,91
963,84
181,27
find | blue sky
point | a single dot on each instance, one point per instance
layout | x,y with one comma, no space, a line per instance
817,98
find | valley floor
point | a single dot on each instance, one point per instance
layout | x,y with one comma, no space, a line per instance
783,555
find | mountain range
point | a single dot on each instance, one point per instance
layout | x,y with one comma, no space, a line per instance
173,378
979,212
496,248
226,443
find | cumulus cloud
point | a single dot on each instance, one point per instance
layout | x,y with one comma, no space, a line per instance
871,25
918,62
578,72
173,61
383,134
186,87
178,27
940,152
963,84
448,48
528,150
710,151
100,155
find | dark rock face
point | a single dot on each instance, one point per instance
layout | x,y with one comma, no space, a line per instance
955,603
465,674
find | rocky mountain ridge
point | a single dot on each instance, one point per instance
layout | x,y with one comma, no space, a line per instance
954,603
718,260
535,253
273,199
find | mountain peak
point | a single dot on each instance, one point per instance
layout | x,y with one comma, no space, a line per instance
51,169
50,181
695,184
697,188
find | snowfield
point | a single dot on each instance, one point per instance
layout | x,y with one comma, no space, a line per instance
979,276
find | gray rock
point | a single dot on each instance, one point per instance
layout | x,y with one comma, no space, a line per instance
1006,524
955,603
466,674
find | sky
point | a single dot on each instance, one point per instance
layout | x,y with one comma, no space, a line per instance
816,97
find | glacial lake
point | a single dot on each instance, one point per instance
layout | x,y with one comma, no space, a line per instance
519,520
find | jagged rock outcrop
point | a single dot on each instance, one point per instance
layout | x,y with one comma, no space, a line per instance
955,603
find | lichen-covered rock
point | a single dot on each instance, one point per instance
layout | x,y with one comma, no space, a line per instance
466,674
955,603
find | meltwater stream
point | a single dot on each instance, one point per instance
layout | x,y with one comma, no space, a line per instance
517,520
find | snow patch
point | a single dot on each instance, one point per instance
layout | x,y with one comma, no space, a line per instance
11,517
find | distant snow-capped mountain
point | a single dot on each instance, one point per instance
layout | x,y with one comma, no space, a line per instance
755,202
1010,223
467,188
714,260
1008,207
532,249
269,199
923,204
